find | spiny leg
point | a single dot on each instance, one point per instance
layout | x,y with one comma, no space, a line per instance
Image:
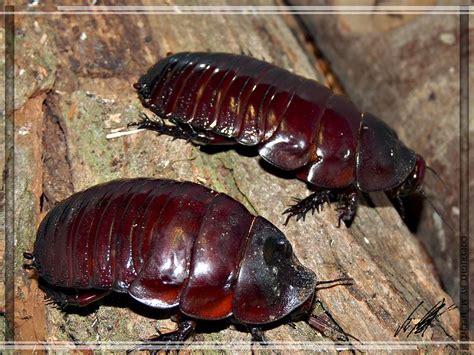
347,207
185,328
178,131
258,335
258,338
399,205
312,203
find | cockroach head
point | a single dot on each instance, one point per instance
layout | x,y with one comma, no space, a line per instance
414,181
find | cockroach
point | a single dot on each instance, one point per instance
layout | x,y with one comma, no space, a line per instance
297,124
171,244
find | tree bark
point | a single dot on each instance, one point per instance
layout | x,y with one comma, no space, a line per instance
74,77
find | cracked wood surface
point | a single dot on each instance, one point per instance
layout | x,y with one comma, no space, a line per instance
73,80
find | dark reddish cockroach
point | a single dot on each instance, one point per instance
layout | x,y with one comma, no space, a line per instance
297,125
172,244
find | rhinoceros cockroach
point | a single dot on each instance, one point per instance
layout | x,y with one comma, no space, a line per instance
171,244
297,125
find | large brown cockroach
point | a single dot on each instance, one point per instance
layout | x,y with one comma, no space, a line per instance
172,244
297,124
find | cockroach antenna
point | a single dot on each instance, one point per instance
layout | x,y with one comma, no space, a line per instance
336,282
425,195
437,176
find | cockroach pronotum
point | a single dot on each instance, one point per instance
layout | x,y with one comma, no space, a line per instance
171,244
297,125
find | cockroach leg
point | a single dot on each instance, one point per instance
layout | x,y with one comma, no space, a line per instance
258,336
347,207
144,119
400,206
313,202
186,327
178,131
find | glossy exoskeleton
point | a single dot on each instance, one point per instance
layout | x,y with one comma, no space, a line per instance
171,244
297,124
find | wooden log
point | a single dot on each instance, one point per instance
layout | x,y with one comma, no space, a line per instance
405,69
74,77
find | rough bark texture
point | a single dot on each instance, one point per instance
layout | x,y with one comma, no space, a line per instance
73,80
405,69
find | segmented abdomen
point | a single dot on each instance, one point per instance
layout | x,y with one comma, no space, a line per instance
219,92
155,239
